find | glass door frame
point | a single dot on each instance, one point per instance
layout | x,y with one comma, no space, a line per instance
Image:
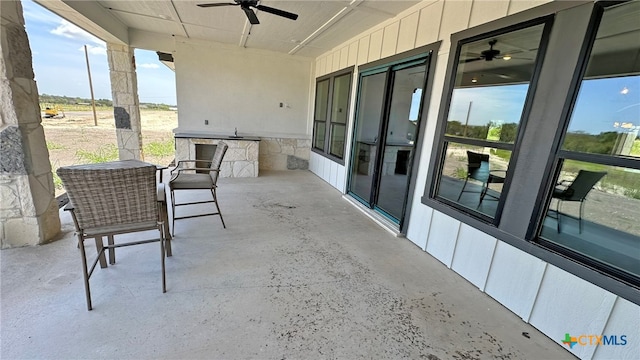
423,58
391,77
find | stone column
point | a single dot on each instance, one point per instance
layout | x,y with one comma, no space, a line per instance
126,107
28,208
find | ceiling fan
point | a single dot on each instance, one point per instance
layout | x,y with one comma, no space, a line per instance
487,55
246,6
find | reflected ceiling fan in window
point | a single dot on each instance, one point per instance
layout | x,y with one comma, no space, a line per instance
490,54
247,5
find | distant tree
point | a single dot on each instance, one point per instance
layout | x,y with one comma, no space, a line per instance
455,128
508,132
580,141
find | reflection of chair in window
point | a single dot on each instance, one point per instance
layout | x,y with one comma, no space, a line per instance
576,190
478,169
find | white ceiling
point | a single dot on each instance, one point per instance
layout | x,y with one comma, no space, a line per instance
321,25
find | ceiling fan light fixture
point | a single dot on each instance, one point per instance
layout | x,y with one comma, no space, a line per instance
506,57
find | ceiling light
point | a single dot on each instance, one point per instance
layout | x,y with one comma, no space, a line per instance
506,57
474,80
624,91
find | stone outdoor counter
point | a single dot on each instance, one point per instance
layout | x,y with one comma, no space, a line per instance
241,159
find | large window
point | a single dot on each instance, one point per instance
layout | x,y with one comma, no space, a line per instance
331,113
491,87
595,202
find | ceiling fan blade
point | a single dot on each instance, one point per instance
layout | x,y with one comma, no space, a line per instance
278,12
253,19
216,5
471,60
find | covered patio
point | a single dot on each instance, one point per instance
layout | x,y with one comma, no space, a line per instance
297,274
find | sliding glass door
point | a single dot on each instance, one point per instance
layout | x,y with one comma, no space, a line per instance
367,134
386,126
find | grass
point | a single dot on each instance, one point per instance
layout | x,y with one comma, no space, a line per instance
55,146
159,148
75,107
616,180
635,148
79,107
461,173
57,182
108,152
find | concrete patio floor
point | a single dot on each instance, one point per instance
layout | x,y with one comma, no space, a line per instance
299,273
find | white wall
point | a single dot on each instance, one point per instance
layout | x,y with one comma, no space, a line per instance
235,87
551,299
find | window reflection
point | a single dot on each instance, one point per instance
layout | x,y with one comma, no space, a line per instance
487,102
487,113
331,113
606,115
473,176
338,136
340,101
491,85
595,205
606,118
339,114
320,114
319,131
594,210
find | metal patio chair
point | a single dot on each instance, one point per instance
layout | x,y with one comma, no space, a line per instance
576,190
478,169
203,175
113,198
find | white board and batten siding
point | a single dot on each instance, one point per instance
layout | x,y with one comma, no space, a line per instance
551,299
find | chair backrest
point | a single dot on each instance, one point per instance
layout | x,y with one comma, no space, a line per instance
582,184
114,193
478,166
221,149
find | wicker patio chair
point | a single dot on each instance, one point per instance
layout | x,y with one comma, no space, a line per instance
202,175
113,198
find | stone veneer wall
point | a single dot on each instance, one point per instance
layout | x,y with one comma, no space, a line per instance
28,210
241,159
246,158
126,107
284,154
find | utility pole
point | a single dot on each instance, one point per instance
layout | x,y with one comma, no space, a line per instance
466,122
93,102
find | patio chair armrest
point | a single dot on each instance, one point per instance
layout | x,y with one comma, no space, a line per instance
161,193
197,168
174,176
181,162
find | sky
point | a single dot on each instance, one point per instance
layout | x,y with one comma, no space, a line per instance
60,66
603,105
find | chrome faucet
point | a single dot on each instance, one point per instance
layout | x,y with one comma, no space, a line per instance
235,132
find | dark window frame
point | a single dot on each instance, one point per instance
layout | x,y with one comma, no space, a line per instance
326,152
442,139
571,24
326,111
558,156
